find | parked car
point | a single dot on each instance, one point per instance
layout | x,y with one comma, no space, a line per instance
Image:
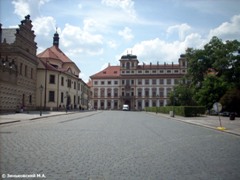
125,107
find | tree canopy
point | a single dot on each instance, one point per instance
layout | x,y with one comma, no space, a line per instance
212,72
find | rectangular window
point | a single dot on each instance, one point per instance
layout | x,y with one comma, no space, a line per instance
154,92
31,73
21,68
146,81
168,91
102,82
52,79
62,97
168,81
146,92
26,70
154,81
75,85
69,83
116,82
30,99
109,82
139,81
161,81
176,81
62,81
161,92
95,82
51,97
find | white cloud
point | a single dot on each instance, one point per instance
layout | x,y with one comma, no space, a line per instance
125,5
112,44
227,30
157,50
182,30
104,66
44,25
79,6
91,25
78,40
126,33
25,7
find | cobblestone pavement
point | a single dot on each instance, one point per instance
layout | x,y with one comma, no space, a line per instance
115,145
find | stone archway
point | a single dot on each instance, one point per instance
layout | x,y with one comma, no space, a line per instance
128,102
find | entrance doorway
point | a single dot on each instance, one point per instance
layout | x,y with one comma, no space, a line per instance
128,102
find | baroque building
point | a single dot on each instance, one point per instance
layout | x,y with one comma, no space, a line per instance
59,86
18,67
139,86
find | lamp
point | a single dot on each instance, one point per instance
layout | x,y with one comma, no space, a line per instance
41,90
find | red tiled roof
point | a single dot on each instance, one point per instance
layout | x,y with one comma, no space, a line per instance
110,71
54,53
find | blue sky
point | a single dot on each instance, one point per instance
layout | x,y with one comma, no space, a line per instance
94,33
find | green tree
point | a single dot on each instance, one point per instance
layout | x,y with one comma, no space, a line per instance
213,70
212,89
182,96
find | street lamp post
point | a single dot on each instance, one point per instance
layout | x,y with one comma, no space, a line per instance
66,101
173,102
41,91
158,99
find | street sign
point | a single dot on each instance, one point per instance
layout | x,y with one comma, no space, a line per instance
217,107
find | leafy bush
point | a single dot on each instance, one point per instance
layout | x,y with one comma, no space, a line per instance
187,111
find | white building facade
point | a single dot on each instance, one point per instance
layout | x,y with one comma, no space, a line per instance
59,86
139,86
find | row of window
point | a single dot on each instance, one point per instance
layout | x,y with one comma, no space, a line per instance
23,70
152,71
52,80
115,104
139,92
138,81
51,97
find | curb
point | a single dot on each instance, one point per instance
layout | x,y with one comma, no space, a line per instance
9,122
43,117
198,124
40,117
